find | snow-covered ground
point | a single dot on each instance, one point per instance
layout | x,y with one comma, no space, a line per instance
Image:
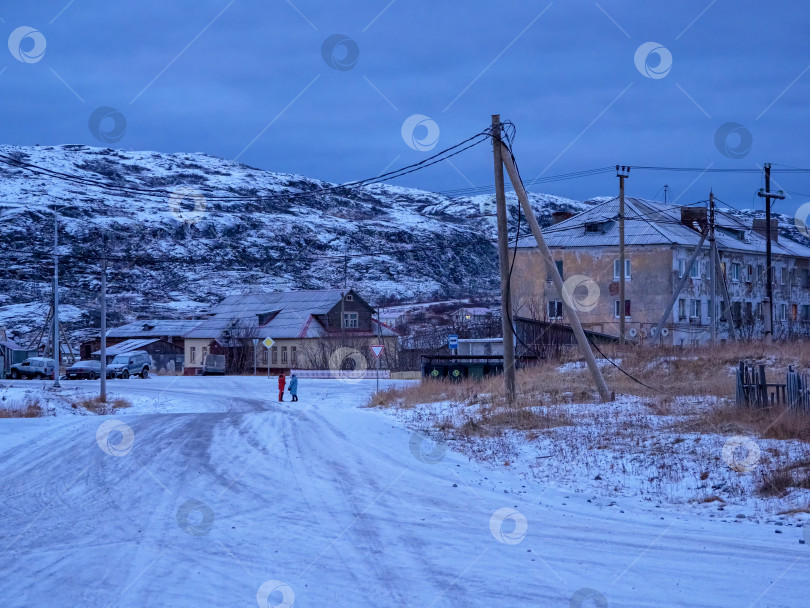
209,492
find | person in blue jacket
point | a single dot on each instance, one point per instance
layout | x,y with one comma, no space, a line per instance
294,387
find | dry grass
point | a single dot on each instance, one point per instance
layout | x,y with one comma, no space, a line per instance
777,422
26,409
674,373
97,406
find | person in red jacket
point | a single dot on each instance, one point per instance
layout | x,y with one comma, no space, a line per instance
281,382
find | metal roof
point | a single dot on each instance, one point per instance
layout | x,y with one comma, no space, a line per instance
654,223
152,328
294,315
127,346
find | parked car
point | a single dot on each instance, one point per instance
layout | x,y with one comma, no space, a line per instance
213,364
90,370
34,367
135,363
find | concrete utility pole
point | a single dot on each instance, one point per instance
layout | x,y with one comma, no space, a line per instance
712,272
692,259
503,257
551,268
103,393
622,173
768,195
724,288
56,351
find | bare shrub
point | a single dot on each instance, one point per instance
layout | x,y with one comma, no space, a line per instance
97,406
30,408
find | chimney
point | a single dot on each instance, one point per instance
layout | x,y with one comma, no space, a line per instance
694,217
560,216
760,226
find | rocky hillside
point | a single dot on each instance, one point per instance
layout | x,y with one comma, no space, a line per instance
177,252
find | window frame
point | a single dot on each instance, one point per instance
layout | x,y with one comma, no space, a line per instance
348,317
557,306
627,269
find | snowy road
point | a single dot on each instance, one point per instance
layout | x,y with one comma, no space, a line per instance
223,489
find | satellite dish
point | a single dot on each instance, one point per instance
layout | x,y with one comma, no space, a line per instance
643,333
652,331
633,333
665,332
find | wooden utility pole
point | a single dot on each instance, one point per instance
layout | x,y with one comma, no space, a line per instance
768,195
103,328
712,272
622,173
503,257
56,352
551,269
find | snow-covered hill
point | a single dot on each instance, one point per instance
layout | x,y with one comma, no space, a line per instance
175,255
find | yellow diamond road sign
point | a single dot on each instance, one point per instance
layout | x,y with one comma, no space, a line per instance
268,342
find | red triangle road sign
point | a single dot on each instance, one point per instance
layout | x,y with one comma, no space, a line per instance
377,349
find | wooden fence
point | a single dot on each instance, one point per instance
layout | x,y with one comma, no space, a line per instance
754,390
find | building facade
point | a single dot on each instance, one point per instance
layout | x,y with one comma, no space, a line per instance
659,241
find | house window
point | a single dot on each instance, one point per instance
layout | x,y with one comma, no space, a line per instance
294,355
263,357
695,312
616,308
749,311
735,272
805,312
694,270
794,312
760,273
350,319
349,297
681,268
274,355
749,273
736,312
617,266
284,354
555,309
559,265
681,309
193,354
782,275
204,353
783,312
759,310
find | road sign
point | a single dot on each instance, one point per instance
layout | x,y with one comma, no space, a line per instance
268,342
452,341
377,349
255,341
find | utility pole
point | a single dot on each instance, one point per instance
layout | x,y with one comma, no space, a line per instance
768,195
103,393
666,189
622,173
503,256
712,272
56,352
551,269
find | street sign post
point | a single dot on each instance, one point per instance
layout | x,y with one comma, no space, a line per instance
452,342
377,349
268,342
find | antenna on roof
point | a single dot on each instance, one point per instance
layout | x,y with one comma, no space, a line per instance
666,189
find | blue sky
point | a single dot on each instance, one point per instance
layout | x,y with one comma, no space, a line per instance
249,80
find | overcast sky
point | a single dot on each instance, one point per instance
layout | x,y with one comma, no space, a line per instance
323,88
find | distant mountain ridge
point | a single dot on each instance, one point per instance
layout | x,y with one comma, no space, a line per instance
386,241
